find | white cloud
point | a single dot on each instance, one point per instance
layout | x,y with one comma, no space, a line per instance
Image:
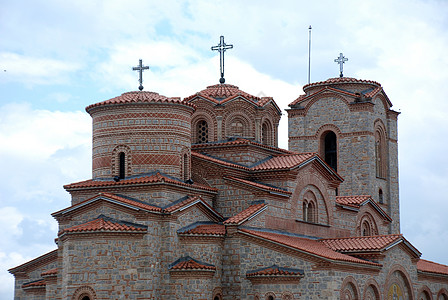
36,70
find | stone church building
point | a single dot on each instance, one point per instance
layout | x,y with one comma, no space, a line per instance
192,199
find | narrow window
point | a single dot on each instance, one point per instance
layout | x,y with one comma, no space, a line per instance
365,229
202,132
305,211
330,150
122,165
311,212
380,196
185,167
237,128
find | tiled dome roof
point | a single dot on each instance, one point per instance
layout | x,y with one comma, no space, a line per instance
340,80
139,97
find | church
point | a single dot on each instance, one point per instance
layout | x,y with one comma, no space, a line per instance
191,198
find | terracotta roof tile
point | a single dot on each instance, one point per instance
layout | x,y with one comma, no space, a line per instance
240,142
104,224
218,161
354,201
431,267
284,161
337,80
153,178
360,244
274,270
358,201
50,272
135,203
246,214
35,284
306,245
206,229
189,201
258,185
221,92
188,263
139,97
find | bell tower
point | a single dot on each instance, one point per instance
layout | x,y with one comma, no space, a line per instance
350,124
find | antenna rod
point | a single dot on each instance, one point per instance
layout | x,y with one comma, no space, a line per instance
309,54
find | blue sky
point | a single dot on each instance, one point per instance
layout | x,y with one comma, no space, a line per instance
57,57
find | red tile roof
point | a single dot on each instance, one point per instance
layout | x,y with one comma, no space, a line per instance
354,201
188,202
35,284
358,201
276,271
154,178
218,161
139,97
222,93
206,229
104,224
107,196
188,263
431,267
38,262
50,272
240,142
305,245
284,161
361,244
258,185
339,80
246,214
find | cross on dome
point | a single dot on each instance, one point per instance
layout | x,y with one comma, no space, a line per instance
221,48
341,60
140,68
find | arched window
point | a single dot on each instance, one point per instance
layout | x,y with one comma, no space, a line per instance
380,150
311,212
202,132
237,127
266,134
305,210
380,196
86,298
330,150
122,165
365,228
309,207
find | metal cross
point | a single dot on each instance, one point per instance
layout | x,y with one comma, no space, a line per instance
341,60
140,68
222,47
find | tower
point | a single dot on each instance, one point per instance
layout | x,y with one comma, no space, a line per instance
350,124
141,132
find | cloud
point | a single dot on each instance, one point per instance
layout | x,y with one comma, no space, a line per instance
36,70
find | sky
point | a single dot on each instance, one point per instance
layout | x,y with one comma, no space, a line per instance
57,57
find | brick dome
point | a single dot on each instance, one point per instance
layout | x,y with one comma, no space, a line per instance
137,97
141,132
347,83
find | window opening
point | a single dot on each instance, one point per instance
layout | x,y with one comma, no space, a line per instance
365,229
202,130
331,150
380,196
122,165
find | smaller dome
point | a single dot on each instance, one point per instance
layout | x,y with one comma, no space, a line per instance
340,81
138,97
221,92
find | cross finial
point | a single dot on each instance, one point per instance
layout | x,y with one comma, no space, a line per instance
222,47
341,60
140,68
